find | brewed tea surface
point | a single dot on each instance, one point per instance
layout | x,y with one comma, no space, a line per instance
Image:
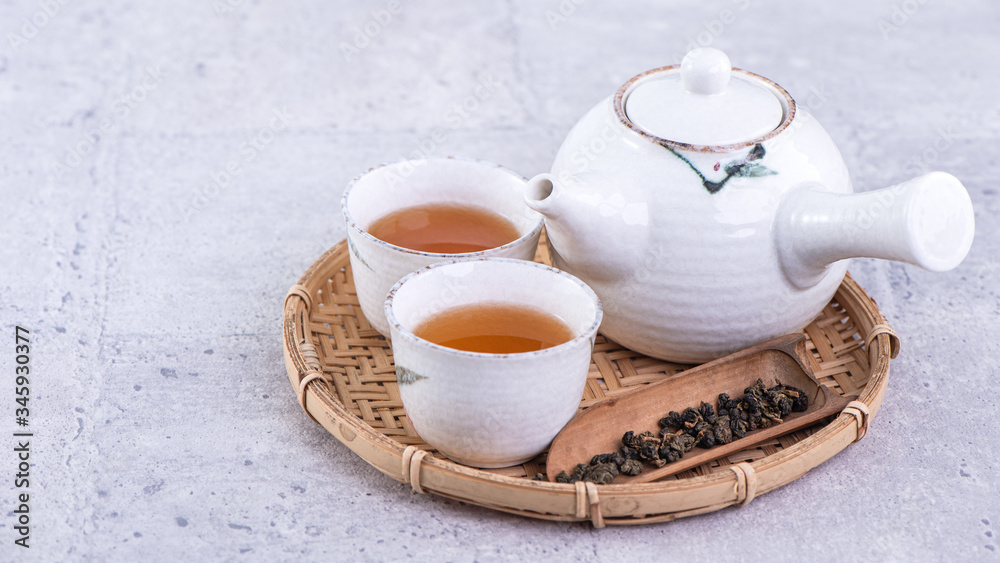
495,328
444,228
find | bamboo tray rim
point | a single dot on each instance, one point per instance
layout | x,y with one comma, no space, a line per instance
621,504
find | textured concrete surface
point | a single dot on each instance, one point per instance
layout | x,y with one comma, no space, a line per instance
152,277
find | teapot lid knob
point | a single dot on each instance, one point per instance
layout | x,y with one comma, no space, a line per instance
705,71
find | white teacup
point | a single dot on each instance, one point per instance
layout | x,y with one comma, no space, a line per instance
491,410
377,265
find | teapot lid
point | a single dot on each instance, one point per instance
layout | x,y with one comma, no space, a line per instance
704,104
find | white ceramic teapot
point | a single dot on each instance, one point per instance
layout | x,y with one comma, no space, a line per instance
710,213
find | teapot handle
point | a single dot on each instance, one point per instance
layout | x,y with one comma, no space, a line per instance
927,221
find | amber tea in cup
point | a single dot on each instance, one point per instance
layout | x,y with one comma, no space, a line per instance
495,328
491,409
462,208
444,228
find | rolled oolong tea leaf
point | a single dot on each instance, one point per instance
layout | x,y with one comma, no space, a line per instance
679,441
601,473
704,427
800,401
704,434
577,474
723,432
647,445
630,467
669,455
671,421
738,422
706,411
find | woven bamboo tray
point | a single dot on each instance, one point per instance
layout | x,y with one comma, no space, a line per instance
343,374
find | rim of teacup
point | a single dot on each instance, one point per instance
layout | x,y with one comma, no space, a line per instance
351,224
587,334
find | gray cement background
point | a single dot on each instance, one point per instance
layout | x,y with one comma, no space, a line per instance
165,427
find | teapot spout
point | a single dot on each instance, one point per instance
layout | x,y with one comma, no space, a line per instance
582,225
927,221
540,195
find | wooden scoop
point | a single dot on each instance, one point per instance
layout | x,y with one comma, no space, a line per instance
599,429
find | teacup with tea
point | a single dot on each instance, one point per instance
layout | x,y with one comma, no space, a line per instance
410,214
491,355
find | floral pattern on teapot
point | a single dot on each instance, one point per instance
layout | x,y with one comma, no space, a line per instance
746,167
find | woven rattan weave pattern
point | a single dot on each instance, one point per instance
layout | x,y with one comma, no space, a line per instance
343,373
